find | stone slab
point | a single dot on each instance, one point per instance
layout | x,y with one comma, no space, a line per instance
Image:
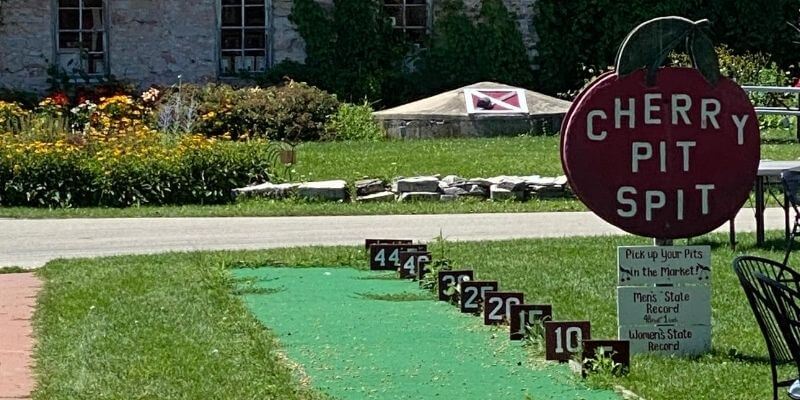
376,197
419,196
418,184
365,187
497,193
335,190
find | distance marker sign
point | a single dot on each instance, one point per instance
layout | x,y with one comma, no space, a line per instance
386,257
665,153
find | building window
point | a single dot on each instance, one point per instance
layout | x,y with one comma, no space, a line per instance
243,36
81,37
409,16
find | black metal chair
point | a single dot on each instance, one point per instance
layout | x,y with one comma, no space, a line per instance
747,269
791,187
784,303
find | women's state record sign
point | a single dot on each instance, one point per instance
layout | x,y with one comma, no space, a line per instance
670,159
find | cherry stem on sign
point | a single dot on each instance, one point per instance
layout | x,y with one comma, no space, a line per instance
649,44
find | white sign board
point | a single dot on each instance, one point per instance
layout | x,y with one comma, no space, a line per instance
664,305
655,265
677,339
664,298
496,101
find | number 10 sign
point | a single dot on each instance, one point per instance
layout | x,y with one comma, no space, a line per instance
563,339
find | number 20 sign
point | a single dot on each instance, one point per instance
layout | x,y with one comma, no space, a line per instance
563,339
498,306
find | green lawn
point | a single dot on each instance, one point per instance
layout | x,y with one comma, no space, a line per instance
469,158
167,326
153,327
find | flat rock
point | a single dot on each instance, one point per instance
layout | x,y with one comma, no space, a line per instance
561,180
454,191
418,184
376,197
497,193
542,181
478,190
324,190
268,189
419,196
451,180
547,191
480,182
513,183
366,187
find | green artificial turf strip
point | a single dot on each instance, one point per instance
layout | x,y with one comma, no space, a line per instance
378,339
152,327
128,346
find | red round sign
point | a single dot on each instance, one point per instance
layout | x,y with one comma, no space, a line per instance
672,160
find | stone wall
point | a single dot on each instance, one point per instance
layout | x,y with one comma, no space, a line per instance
152,42
155,41
26,44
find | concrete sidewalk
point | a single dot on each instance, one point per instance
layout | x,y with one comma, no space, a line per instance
31,243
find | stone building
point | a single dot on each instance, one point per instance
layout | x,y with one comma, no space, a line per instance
153,42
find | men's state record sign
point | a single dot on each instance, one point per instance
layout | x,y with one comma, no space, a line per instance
662,152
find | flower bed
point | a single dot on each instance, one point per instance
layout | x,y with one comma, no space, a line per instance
136,167
187,144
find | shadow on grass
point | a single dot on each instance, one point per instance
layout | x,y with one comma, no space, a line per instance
397,296
241,291
779,140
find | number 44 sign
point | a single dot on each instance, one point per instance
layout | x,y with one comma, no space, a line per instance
386,257
564,339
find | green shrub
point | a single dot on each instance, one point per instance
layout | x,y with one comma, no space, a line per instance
191,170
752,69
746,68
579,35
292,111
26,99
354,122
463,52
351,49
